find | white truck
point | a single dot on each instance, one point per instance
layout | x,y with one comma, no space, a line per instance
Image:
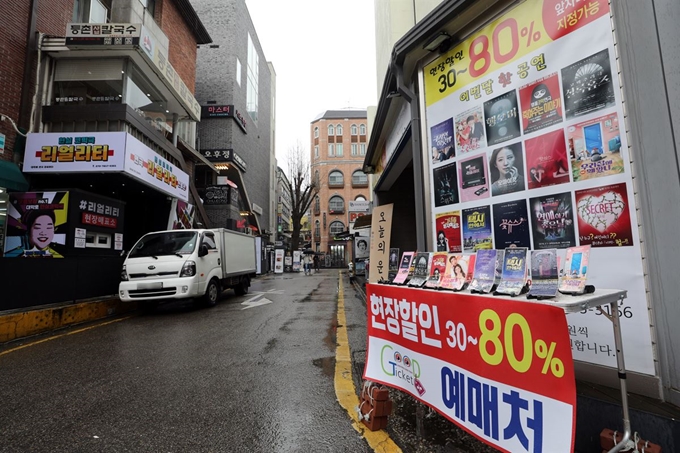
187,264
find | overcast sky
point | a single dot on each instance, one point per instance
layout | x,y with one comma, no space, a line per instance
323,53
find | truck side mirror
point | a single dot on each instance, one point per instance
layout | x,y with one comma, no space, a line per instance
202,251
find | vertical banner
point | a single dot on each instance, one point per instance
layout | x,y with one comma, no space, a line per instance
297,257
541,156
498,368
381,231
278,261
37,225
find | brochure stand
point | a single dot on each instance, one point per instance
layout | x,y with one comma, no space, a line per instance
611,297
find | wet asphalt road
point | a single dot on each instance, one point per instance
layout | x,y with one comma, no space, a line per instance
186,379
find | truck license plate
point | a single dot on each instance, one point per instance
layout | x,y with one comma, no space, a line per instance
158,285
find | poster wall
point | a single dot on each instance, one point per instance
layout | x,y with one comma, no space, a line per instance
541,158
37,225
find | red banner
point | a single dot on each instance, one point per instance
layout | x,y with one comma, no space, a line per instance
436,344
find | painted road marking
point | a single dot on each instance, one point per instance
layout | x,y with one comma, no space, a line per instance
256,301
345,391
271,291
44,340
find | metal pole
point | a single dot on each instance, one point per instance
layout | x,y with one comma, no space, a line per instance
175,127
622,377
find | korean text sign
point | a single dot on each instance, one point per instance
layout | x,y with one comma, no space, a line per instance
149,167
500,369
74,152
381,230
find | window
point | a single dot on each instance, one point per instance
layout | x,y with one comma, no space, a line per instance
360,198
150,6
97,240
338,129
316,132
331,150
92,11
362,148
338,149
317,228
253,77
141,95
317,204
362,129
209,241
353,129
336,204
335,178
337,227
316,177
238,72
354,149
331,129
359,178
80,82
316,152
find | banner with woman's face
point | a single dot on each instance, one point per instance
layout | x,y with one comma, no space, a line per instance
37,225
361,247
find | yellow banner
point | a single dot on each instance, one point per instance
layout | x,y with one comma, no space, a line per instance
517,34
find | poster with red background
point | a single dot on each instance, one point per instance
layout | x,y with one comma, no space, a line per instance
547,163
448,223
604,216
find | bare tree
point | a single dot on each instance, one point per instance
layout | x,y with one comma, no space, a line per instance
302,188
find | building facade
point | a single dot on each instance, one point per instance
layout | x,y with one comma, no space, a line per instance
283,210
338,147
235,87
106,103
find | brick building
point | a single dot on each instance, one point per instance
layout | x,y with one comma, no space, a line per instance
235,87
104,90
339,140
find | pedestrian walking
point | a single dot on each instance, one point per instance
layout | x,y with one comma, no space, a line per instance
307,264
316,263
351,271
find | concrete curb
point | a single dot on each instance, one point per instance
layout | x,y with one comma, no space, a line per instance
41,320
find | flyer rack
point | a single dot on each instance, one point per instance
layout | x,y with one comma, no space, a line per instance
578,303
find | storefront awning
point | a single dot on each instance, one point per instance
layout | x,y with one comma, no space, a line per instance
363,222
11,177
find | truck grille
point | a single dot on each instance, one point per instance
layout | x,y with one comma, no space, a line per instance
154,275
160,292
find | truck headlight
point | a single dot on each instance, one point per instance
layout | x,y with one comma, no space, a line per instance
189,269
123,274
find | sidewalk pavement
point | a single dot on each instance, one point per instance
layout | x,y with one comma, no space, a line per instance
16,324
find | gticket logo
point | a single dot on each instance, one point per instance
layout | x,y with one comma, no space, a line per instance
395,364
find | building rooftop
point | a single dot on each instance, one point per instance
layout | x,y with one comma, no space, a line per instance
340,114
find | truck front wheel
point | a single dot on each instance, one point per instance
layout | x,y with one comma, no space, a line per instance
212,293
242,288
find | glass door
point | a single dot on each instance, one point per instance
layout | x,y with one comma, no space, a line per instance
338,255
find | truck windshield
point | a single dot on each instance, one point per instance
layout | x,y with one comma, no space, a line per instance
168,243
